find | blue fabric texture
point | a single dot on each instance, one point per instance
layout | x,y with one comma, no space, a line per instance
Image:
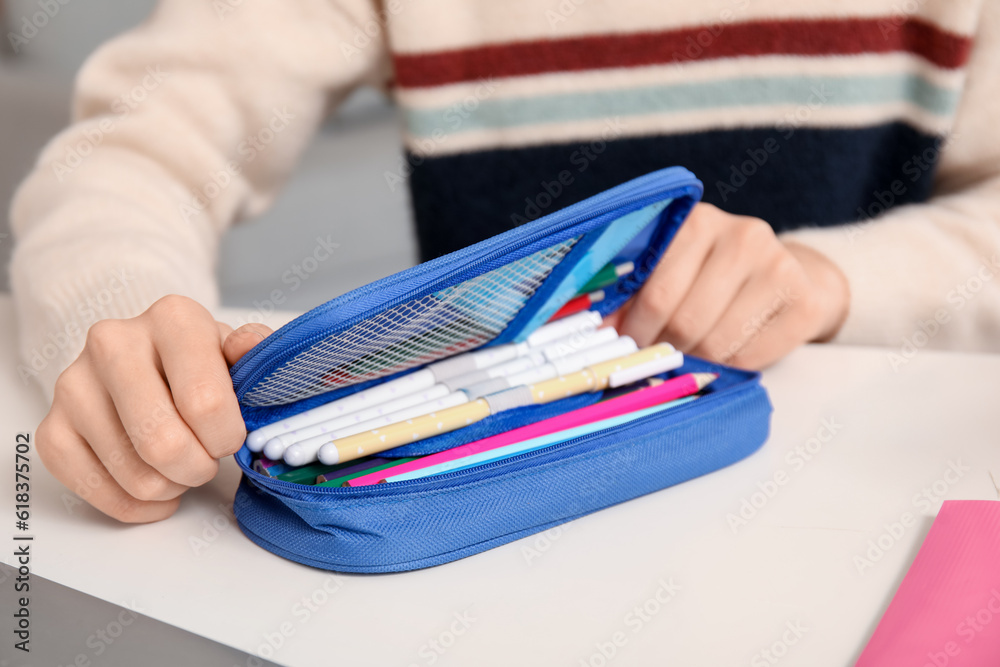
429,521
424,522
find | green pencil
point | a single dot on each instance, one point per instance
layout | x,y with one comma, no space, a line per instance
339,481
308,474
608,275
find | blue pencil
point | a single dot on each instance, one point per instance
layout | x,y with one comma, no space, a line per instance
533,444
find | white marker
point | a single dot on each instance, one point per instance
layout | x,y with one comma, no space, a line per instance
584,323
489,357
276,446
401,386
587,320
304,452
579,342
646,370
619,347
470,362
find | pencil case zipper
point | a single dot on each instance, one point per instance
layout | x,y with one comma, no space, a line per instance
246,375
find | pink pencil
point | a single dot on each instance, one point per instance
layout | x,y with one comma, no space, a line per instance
678,387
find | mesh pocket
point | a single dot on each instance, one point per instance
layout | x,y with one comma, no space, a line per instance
456,319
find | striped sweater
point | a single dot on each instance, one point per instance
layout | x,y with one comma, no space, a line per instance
799,120
863,128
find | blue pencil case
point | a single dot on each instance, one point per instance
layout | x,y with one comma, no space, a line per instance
497,291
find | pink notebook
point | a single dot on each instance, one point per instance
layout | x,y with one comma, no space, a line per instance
946,612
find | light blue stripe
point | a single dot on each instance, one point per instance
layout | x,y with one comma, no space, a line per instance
534,443
729,93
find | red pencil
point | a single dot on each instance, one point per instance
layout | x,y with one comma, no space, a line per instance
579,303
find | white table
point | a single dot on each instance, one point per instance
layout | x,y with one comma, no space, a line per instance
559,598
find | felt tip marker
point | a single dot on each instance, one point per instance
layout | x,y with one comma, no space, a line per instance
393,389
304,451
276,446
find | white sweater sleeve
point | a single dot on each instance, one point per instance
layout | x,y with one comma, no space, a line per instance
181,126
928,275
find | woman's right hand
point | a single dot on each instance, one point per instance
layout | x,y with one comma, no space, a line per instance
147,409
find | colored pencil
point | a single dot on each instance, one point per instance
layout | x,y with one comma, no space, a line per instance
308,474
577,304
387,464
351,467
529,445
664,392
608,276
590,379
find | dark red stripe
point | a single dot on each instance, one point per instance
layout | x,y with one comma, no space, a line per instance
799,37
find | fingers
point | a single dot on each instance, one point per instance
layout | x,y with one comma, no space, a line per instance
68,457
102,430
726,270
144,412
705,267
754,332
127,367
773,313
241,341
672,278
729,290
187,342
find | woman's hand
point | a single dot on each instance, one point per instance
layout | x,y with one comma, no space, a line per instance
727,289
147,409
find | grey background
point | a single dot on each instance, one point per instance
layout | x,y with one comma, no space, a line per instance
64,620
338,190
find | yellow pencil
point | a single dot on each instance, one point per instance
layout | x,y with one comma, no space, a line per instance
593,378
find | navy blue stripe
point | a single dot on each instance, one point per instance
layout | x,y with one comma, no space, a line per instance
789,178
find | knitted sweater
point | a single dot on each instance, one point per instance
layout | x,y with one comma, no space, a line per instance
863,128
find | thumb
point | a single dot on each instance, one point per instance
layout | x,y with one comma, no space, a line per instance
241,340
616,318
